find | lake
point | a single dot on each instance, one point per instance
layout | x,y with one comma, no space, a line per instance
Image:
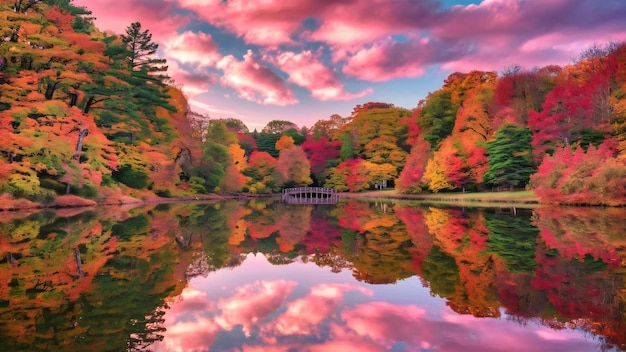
261,275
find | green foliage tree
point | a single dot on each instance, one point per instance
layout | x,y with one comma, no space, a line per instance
266,142
218,159
437,117
142,50
347,150
298,138
218,132
510,157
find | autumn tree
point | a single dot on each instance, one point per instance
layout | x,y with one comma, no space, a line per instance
279,126
350,175
565,113
435,176
579,177
261,172
329,128
410,180
322,154
284,142
293,167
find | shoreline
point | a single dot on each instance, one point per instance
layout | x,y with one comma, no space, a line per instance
521,199
518,198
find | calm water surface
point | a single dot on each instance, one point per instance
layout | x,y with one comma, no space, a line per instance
356,276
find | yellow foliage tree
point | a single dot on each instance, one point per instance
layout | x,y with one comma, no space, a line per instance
435,176
238,157
284,142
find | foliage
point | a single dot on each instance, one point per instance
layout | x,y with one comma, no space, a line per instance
322,154
141,50
293,168
131,177
579,177
514,240
437,116
410,180
284,142
278,126
510,157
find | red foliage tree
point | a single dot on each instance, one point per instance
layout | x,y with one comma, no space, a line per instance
578,177
411,176
320,152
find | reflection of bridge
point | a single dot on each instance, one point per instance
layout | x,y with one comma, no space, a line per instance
310,195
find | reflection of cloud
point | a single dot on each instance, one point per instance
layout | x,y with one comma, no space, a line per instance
306,315
253,302
196,335
385,322
321,321
185,329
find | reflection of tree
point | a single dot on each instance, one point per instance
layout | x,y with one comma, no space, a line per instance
512,238
441,271
113,306
335,261
578,232
381,251
293,223
479,261
324,234
217,232
422,239
278,258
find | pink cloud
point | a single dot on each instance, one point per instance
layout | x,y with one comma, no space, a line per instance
269,22
192,83
530,32
305,70
255,82
194,48
158,16
388,59
354,23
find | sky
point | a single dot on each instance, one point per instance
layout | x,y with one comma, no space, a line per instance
305,60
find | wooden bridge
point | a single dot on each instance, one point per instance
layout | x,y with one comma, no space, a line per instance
310,195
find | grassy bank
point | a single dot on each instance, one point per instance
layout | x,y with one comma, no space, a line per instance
516,198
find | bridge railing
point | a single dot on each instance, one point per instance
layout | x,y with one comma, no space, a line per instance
310,195
308,189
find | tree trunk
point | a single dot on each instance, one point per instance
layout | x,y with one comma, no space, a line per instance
50,89
73,99
88,105
81,135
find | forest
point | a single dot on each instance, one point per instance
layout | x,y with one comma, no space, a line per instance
88,117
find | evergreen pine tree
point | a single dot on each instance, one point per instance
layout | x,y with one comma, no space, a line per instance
141,51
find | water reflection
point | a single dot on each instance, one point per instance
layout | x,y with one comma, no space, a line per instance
263,275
